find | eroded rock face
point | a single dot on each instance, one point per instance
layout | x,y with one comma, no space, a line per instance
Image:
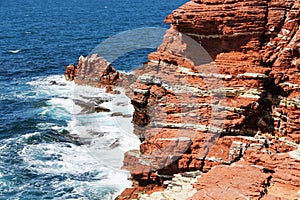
222,87
94,71
214,184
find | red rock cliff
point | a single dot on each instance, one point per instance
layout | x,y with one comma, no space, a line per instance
223,89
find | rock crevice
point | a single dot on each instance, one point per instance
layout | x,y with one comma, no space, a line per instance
220,95
225,78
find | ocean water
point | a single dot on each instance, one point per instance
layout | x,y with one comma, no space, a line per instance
52,146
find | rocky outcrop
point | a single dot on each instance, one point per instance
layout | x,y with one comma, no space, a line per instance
94,71
221,95
180,187
215,183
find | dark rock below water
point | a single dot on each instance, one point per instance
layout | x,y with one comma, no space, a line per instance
115,144
55,83
88,107
96,100
75,139
101,109
119,114
116,114
63,136
97,133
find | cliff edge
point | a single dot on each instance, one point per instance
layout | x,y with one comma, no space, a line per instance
221,96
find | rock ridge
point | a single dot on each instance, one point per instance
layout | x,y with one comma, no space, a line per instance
221,95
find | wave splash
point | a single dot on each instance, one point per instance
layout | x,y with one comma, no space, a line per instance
15,51
79,159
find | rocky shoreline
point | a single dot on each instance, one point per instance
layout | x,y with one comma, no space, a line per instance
221,96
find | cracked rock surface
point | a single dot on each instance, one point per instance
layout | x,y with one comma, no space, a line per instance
220,95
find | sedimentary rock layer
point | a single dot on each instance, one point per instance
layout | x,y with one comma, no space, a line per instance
223,88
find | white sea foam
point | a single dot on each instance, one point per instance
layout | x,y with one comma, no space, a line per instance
74,161
15,51
3,146
104,138
67,105
70,159
28,135
55,85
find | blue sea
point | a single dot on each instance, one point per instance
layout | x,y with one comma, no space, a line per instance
52,147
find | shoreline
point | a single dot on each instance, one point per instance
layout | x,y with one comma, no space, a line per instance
224,108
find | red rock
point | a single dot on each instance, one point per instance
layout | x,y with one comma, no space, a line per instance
128,193
93,71
237,181
70,72
108,89
221,95
226,78
281,191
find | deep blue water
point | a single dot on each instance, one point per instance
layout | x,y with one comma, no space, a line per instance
38,159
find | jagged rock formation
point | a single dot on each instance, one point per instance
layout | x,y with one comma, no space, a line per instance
227,107
94,71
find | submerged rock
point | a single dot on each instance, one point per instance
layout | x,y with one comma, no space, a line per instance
90,107
101,109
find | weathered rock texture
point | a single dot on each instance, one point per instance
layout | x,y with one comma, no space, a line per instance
180,187
94,71
221,95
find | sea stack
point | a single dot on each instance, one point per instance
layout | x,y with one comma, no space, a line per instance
92,70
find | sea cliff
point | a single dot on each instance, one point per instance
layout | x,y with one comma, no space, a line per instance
217,106
221,96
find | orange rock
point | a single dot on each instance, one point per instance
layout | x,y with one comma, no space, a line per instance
70,72
237,181
93,71
226,78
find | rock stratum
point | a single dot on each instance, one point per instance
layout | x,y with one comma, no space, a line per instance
221,95
217,105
